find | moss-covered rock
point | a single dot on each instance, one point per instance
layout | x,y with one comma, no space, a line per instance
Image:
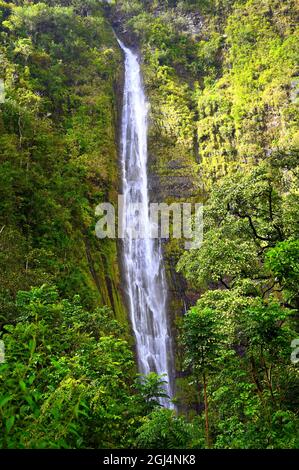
62,70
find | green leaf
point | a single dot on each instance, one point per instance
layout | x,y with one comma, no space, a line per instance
9,423
4,400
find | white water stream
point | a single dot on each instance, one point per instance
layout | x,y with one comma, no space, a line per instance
142,257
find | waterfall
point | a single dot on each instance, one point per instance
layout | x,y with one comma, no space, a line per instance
142,257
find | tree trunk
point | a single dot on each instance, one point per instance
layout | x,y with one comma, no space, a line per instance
208,443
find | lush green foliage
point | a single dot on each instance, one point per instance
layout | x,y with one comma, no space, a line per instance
59,62
163,430
68,380
69,377
222,77
238,335
222,82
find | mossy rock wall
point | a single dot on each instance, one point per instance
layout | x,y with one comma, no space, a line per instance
62,70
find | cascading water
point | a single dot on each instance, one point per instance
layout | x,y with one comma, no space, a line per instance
142,256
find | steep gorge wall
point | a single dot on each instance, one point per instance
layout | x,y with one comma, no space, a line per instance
222,84
62,70
173,153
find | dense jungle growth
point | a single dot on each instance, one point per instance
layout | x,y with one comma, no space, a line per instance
222,81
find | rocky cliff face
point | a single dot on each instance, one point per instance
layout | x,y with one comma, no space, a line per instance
220,84
172,144
220,79
58,143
